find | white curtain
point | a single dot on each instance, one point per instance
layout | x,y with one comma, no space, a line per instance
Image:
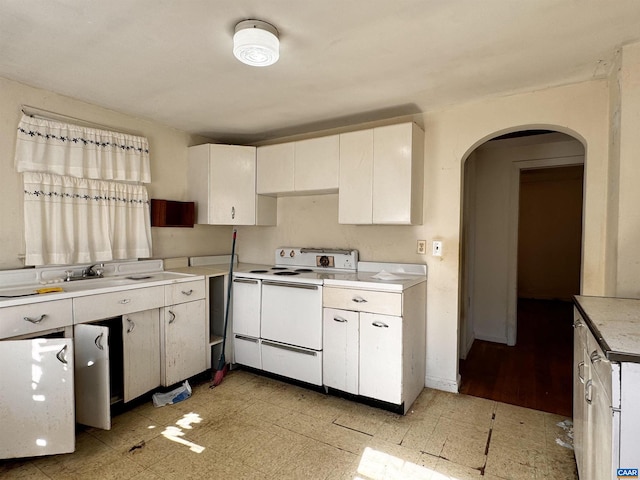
54,147
75,220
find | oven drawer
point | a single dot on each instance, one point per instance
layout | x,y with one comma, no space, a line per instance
247,351
385,303
292,362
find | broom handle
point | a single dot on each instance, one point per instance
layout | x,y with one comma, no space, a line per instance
226,310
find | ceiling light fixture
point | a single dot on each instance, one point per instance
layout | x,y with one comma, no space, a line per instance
256,43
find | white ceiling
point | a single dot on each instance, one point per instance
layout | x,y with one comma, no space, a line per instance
341,61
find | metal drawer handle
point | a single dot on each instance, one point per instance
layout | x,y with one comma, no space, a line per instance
173,317
358,300
132,325
581,374
380,324
124,301
61,355
244,280
248,339
305,286
98,342
188,292
339,319
290,348
588,396
233,212
595,357
35,320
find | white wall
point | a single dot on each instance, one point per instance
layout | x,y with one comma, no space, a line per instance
168,155
628,170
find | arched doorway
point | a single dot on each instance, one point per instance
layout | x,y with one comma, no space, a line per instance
508,274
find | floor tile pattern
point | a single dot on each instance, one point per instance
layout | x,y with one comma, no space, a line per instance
258,428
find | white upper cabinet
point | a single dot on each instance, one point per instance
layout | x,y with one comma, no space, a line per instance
222,180
355,192
382,175
299,168
275,169
316,165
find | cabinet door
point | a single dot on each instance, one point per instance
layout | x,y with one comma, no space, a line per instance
601,452
316,165
275,169
141,352
36,398
340,346
355,191
246,307
397,175
381,357
93,392
232,196
184,342
580,376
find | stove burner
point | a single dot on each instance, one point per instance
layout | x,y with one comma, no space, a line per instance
288,272
303,270
258,271
278,268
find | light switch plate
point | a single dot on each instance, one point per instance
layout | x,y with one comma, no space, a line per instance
437,248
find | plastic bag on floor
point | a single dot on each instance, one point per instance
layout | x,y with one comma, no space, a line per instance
174,396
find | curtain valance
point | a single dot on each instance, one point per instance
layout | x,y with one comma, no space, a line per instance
75,220
71,150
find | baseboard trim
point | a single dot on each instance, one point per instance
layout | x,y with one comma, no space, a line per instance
444,384
491,338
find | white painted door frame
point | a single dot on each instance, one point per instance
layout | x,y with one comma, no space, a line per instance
514,208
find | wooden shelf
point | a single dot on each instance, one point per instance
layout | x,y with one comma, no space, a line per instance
169,213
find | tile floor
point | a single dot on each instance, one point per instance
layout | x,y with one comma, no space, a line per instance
252,427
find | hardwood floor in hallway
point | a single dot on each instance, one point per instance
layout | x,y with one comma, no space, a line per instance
536,372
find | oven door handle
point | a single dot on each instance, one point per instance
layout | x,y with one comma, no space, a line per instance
305,286
248,339
245,280
304,351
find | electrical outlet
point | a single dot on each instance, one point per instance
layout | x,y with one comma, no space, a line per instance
437,248
422,247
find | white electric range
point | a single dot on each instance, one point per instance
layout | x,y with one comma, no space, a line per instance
277,310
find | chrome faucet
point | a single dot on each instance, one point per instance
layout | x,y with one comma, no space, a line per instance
94,271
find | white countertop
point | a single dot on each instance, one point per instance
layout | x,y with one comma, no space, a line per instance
615,322
366,281
25,294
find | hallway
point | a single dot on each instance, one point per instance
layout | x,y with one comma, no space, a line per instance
535,373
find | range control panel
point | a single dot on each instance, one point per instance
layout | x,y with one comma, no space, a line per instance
317,258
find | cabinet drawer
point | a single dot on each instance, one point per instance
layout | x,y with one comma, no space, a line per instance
386,303
184,292
113,304
35,317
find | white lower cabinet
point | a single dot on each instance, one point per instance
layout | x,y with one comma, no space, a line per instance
36,397
141,352
605,398
183,336
116,360
341,344
381,357
92,376
370,353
